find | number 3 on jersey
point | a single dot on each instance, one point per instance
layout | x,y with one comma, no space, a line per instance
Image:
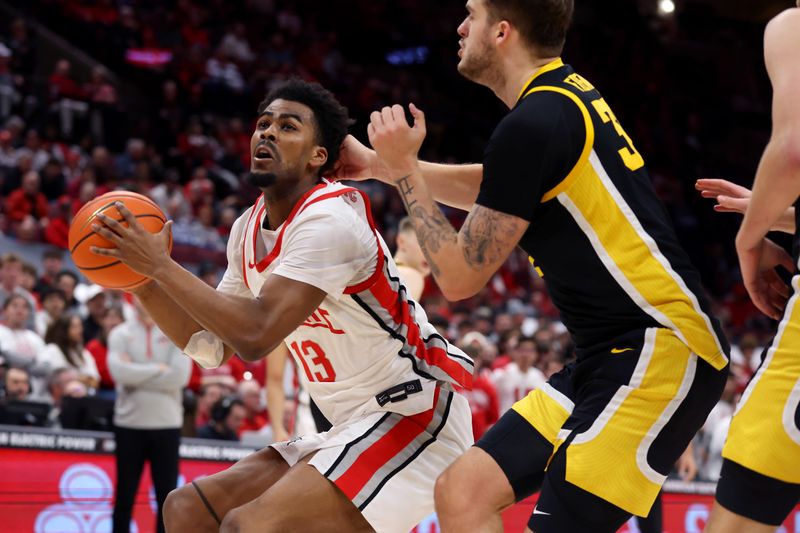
311,352
632,159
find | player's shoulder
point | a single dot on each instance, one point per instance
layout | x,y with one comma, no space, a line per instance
333,203
782,41
783,28
786,19
538,114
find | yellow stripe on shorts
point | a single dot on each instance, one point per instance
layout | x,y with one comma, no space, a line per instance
610,458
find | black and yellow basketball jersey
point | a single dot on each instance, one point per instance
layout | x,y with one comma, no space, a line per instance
598,234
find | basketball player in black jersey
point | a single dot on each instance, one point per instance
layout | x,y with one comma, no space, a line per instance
563,180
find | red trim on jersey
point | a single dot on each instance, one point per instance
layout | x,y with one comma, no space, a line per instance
273,254
244,240
370,281
384,449
400,312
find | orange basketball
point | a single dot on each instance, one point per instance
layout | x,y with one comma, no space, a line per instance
108,271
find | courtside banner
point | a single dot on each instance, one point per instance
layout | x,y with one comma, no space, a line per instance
63,481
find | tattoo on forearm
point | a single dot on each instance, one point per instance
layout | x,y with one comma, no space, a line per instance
487,234
433,229
406,189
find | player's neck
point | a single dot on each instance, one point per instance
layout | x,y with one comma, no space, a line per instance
517,76
280,200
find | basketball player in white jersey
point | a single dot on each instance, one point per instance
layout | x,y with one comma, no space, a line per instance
305,264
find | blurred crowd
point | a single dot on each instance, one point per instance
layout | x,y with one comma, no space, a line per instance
170,115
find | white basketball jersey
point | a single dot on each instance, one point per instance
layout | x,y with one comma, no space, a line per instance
368,347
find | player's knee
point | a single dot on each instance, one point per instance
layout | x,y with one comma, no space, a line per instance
233,522
180,509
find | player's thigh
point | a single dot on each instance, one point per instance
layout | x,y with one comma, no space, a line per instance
206,501
301,500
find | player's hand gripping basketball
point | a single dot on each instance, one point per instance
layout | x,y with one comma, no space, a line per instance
397,143
141,250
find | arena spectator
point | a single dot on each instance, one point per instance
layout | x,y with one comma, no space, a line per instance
251,394
52,263
227,415
520,376
17,384
94,298
65,348
67,96
62,382
210,393
66,282
483,402
98,347
20,345
27,208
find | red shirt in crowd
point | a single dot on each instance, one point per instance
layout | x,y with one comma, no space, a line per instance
254,424
100,353
483,404
19,205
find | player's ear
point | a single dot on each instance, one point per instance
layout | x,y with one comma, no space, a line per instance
502,31
319,156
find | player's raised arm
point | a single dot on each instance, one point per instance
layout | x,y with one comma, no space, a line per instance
777,183
461,261
453,185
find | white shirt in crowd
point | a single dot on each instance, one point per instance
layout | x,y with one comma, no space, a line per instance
513,384
55,358
21,342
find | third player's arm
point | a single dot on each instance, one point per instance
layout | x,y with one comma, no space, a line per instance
276,397
777,183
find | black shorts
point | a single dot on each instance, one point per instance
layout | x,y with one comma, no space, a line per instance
600,437
755,496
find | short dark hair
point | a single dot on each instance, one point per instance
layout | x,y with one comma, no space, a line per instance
543,23
69,274
50,292
331,117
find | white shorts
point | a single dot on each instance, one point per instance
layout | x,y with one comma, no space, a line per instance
387,463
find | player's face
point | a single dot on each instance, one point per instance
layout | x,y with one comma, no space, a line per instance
478,57
283,144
